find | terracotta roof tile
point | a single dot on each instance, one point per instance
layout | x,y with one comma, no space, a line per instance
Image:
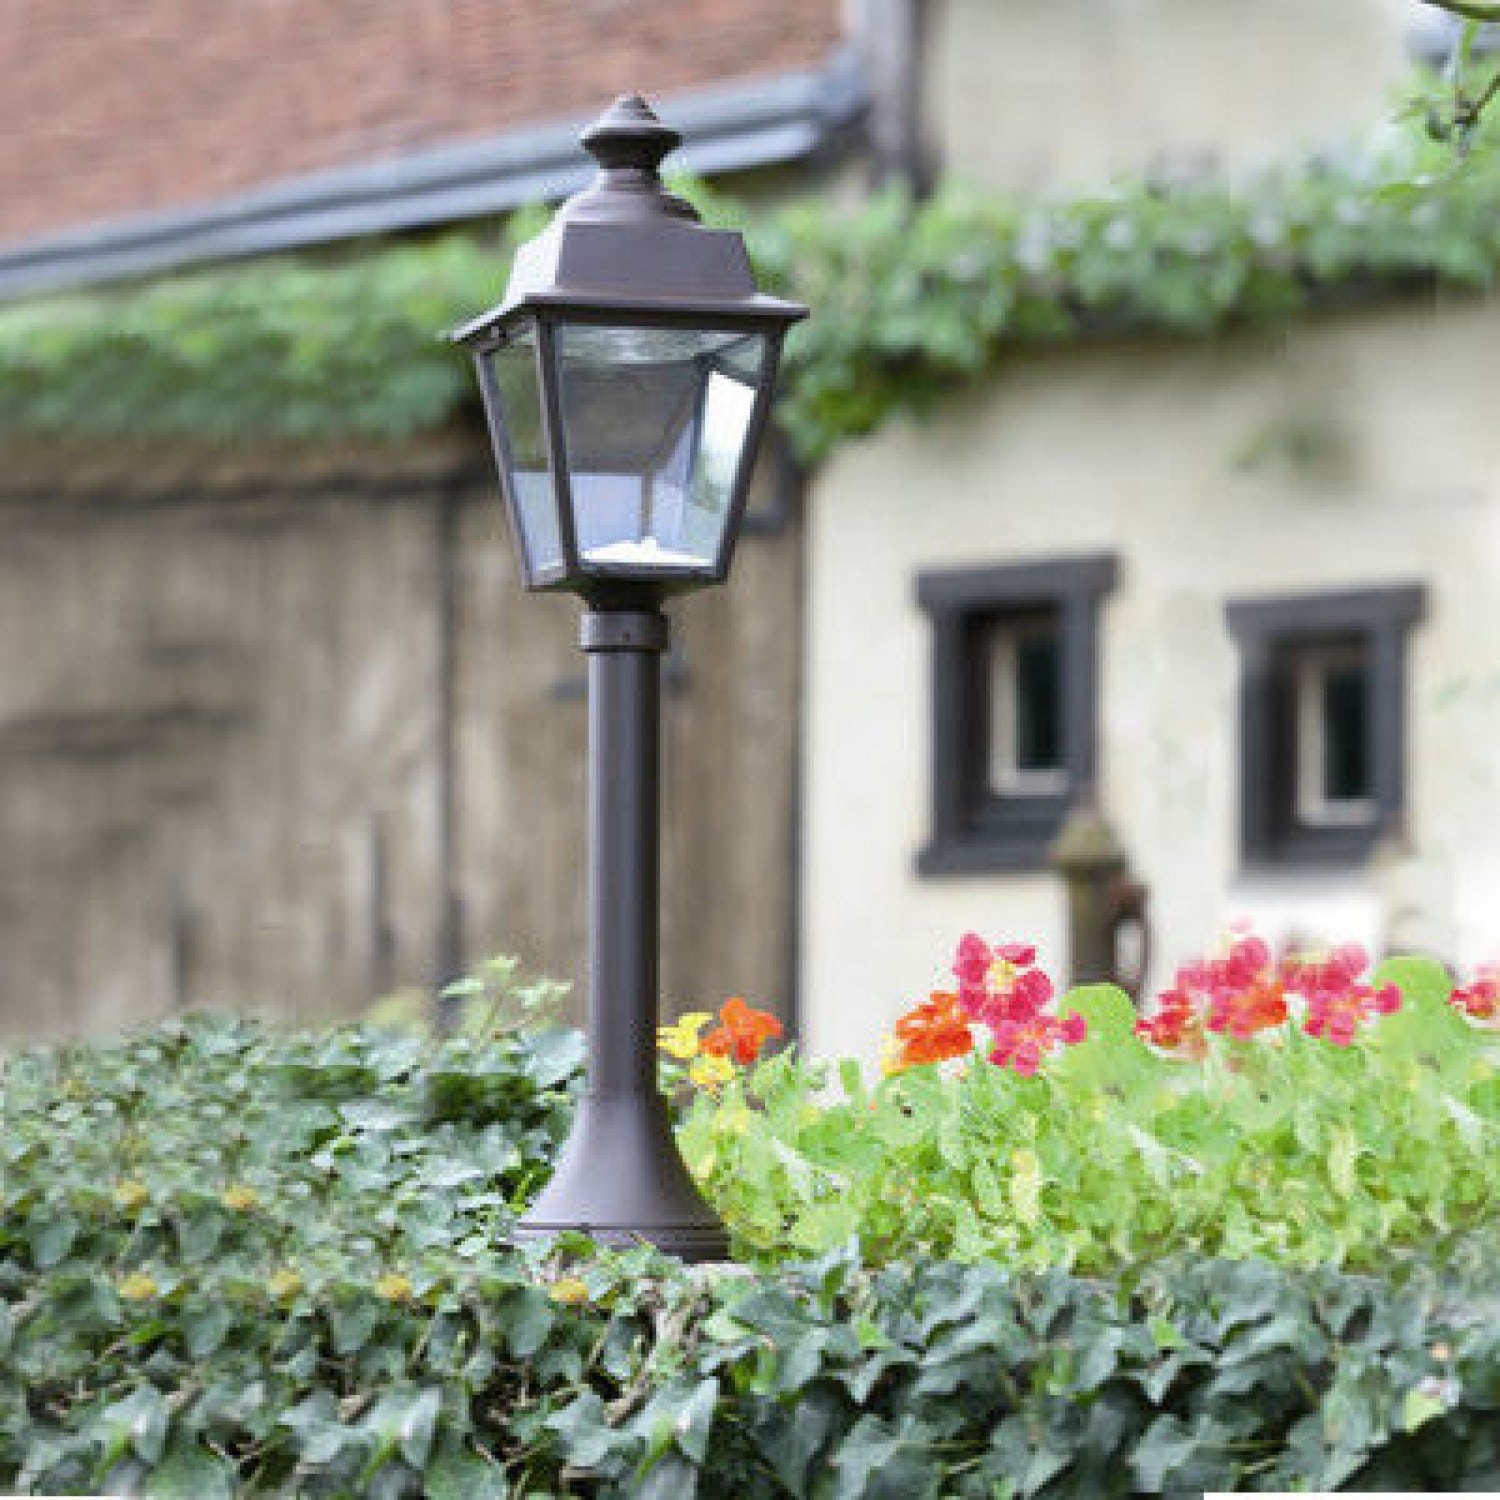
161,104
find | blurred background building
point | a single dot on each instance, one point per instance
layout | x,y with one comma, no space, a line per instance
277,730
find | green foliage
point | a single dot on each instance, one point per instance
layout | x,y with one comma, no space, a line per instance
280,348
215,1240
936,1380
237,1262
495,1001
1290,1149
911,302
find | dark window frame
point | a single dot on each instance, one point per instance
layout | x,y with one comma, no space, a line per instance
1269,632
976,830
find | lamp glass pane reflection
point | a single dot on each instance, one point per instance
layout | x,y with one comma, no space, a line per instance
654,425
511,383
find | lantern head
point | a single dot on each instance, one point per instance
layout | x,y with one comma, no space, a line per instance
627,379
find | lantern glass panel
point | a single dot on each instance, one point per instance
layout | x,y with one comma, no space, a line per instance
654,427
512,386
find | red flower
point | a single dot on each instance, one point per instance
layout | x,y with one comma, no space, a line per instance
1244,1012
1480,1001
742,1033
1239,993
933,1032
1175,1025
1245,992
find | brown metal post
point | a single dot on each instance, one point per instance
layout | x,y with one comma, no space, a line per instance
621,1178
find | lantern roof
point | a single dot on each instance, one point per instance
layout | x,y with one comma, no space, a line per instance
625,245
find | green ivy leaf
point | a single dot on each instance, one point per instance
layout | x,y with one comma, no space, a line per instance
190,1472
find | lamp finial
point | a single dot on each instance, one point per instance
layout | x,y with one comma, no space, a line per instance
629,137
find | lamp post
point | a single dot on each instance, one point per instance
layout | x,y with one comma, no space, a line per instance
626,378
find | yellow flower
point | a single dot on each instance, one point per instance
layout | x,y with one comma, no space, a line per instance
681,1040
284,1285
239,1198
890,1057
710,1072
569,1291
394,1287
131,1194
138,1287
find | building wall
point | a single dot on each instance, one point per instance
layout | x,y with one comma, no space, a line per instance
1034,94
207,732
1347,451
264,735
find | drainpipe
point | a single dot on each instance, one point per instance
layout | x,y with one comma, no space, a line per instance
891,37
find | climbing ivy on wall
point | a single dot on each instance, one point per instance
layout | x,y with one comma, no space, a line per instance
912,301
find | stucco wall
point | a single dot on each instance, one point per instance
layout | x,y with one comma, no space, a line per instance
1358,450
1035,93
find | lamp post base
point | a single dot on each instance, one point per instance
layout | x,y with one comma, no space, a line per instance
692,1246
622,1181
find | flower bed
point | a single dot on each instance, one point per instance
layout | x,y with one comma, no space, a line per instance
1299,1109
234,1261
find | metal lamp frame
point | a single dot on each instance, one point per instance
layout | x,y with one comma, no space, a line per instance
573,573
625,253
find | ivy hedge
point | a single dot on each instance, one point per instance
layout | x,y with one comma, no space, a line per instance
911,300
237,1261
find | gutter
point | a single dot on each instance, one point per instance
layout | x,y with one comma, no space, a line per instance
727,128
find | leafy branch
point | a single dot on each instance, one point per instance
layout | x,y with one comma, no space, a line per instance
912,301
1458,120
1472,10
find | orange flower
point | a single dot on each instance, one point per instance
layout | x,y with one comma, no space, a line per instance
742,1032
932,1032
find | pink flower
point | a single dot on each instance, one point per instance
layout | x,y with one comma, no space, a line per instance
1000,987
1022,1044
1339,1002
1023,955
1245,992
972,961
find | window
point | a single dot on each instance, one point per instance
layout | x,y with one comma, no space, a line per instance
1333,776
1014,687
1322,731
1025,707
